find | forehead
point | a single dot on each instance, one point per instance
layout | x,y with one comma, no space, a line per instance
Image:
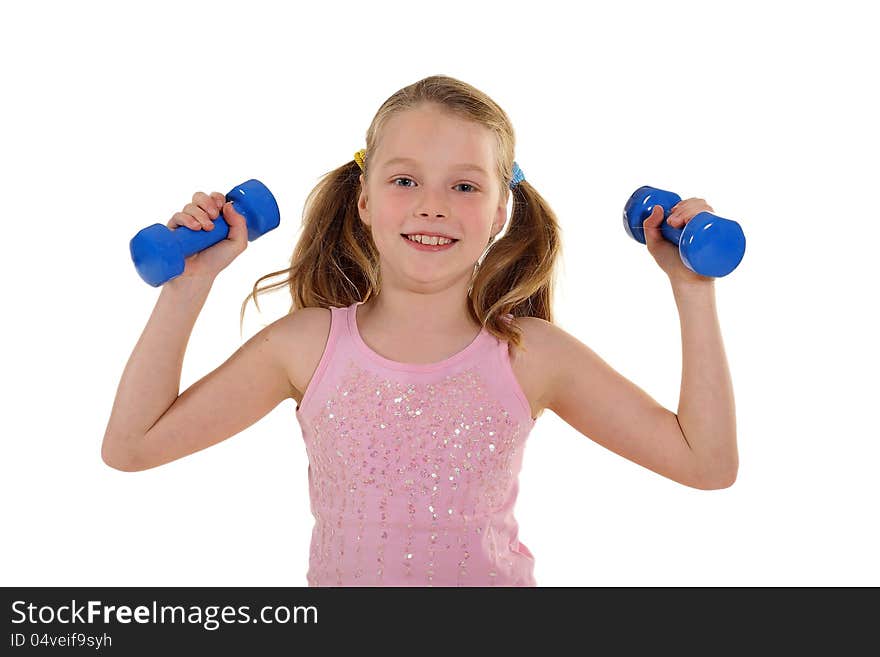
422,136
411,161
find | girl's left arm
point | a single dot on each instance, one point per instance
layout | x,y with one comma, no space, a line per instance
696,446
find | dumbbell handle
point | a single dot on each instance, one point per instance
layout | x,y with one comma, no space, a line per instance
670,233
192,241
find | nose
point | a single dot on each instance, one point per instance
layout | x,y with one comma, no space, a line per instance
432,204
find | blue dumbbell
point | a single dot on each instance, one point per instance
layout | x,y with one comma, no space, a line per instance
709,245
159,252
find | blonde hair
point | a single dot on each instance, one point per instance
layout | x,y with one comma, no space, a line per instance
335,261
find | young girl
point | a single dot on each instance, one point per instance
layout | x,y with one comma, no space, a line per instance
420,351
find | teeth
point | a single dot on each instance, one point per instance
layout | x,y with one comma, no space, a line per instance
425,239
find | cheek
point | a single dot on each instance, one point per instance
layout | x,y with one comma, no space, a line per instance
382,229
386,212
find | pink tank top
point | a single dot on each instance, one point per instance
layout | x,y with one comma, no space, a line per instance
413,468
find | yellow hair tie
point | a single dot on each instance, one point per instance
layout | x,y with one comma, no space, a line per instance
359,158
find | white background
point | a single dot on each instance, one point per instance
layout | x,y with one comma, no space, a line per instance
113,115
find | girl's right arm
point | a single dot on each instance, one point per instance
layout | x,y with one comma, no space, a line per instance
150,423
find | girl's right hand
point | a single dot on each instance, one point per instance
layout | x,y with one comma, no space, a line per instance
200,215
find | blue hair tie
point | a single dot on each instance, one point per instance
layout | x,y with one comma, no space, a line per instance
518,176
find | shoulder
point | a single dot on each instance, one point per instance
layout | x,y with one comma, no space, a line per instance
531,324
302,336
541,340
553,349
551,355
303,331
533,362
543,336
537,333
303,323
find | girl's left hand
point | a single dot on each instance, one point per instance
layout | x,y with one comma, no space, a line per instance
665,252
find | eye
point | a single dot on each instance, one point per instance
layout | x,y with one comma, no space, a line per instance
411,180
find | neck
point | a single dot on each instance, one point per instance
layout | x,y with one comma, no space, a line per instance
430,313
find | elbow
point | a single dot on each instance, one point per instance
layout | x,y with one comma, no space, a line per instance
719,480
122,466
725,482
716,473
118,458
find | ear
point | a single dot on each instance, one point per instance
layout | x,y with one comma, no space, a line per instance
362,202
500,218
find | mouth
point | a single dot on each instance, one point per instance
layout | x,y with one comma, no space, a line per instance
428,247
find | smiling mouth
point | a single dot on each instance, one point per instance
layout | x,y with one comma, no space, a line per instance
428,247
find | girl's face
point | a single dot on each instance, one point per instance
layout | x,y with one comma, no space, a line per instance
432,173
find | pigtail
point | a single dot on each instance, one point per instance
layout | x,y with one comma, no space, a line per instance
517,274
335,261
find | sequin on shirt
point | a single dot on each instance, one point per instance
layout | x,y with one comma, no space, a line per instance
413,468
